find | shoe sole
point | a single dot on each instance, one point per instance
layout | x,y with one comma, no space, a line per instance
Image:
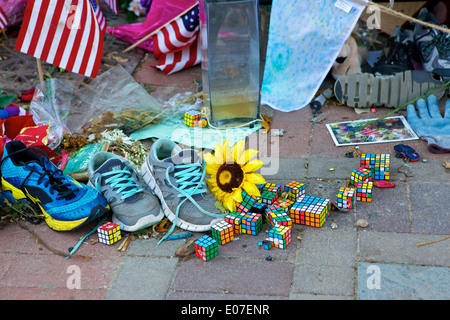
151,182
54,224
364,90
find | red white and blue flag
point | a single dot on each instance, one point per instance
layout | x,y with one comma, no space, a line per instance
3,20
113,5
99,15
176,45
63,33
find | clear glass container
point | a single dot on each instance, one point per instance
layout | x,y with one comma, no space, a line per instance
230,46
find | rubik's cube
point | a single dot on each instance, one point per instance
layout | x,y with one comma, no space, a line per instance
258,207
295,189
222,232
360,175
311,211
346,198
252,223
276,216
206,248
286,204
280,236
234,218
247,203
191,117
268,197
364,191
273,187
109,233
378,163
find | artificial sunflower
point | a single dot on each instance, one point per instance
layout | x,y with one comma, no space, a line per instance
232,171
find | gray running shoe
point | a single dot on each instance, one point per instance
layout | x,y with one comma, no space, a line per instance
177,177
433,45
133,205
363,90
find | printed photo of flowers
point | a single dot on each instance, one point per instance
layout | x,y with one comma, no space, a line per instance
369,131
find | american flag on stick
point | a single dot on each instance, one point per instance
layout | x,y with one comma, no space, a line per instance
63,33
176,44
113,5
99,15
3,20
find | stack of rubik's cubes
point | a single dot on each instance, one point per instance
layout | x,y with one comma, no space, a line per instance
378,163
372,167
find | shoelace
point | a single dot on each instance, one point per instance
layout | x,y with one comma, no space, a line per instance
56,179
441,41
122,181
191,181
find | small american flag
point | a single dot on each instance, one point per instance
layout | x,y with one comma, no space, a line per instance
63,33
176,45
113,5
3,20
99,15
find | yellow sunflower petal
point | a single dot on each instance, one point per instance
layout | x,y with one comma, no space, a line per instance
247,156
228,202
212,168
237,194
252,166
218,154
255,178
250,188
238,149
209,158
227,156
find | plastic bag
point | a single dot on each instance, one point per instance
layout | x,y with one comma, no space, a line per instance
113,100
51,105
117,101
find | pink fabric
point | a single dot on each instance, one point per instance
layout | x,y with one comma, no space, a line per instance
14,10
161,12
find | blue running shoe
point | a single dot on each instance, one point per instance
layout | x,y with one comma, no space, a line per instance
65,203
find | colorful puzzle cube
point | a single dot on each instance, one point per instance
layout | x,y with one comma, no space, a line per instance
258,207
268,197
280,236
364,191
109,233
294,189
206,248
192,117
222,232
360,175
285,204
247,202
234,218
273,187
311,211
277,216
251,223
379,164
346,198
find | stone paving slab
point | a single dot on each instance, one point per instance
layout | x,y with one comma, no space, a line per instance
143,278
402,282
234,276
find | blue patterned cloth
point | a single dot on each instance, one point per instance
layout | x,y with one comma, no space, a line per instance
305,38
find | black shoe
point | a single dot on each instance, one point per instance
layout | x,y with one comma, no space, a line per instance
400,56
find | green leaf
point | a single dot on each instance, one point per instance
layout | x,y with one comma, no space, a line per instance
6,99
